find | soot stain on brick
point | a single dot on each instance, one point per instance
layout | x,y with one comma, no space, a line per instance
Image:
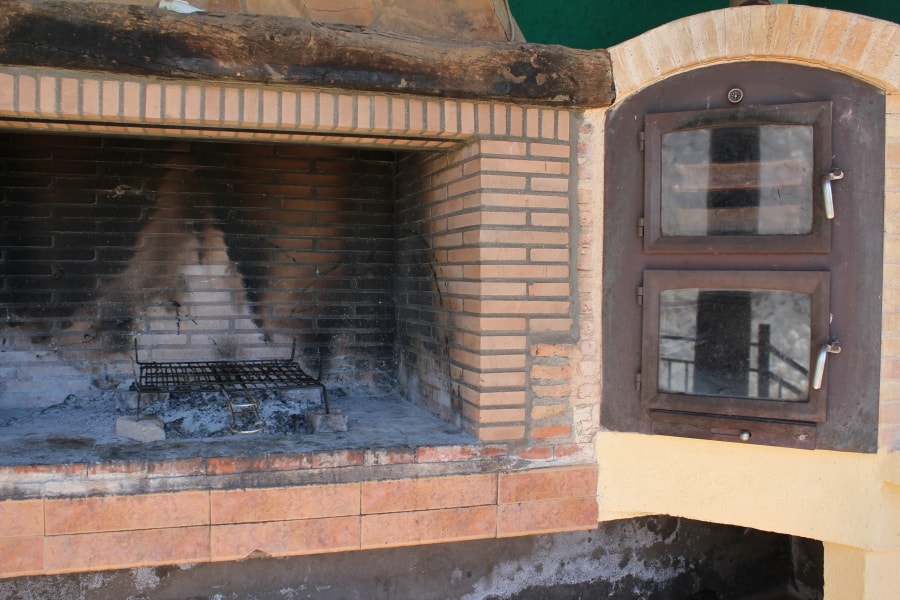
303,238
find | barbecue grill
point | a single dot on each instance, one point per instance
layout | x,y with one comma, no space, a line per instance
238,381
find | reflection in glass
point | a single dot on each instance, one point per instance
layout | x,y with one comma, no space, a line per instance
735,343
737,180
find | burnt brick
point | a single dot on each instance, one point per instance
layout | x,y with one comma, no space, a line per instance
26,239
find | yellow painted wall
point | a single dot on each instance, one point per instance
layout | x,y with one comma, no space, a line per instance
838,497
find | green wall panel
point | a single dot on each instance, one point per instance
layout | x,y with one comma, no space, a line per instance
605,23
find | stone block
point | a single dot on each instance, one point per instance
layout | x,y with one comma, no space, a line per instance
145,429
318,421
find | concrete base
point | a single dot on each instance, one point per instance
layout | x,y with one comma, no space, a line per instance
626,559
318,421
145,429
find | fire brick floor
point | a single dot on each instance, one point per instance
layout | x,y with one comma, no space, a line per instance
84,431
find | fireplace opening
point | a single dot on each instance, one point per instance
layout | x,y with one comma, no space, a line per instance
208,250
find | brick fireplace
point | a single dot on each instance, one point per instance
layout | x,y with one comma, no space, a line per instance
405,265
421,246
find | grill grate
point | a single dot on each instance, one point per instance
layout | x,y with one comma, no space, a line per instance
214,375
239,377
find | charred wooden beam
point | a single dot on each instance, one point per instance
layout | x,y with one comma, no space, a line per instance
134,40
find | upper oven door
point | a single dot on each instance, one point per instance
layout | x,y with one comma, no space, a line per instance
751,179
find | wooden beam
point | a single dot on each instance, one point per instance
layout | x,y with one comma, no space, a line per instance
133,40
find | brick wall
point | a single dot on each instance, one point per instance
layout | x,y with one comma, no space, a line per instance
485,238
486,269
204,250
358,506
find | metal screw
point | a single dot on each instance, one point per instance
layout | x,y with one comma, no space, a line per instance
735,95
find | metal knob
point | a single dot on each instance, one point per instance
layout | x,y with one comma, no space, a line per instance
745,435
735,95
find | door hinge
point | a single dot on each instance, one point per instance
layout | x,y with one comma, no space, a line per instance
640,227
641,141
637,382
639,295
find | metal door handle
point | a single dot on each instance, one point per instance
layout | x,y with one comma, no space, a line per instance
828,197
832,347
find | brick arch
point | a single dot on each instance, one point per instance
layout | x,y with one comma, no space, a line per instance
853,44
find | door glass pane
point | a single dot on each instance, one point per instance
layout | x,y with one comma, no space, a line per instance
735,343
737,180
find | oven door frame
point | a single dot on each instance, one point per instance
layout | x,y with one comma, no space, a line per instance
817,115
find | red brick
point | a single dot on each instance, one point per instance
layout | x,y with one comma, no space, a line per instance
509,379
551,150
484,118
7,86
126,549
124,513
548,123
494,434
566,450
21,556
563,126
552,371
494,415
549,289
283,503
535,453
494,450
529,518
548,255
540,412
21,518
182,467
390,456
131,99
545,350
492,398
338,458
90,98
434,454
548,484
516,121
510,165
532,122
48,94
428,493
284,538
423,527
551,431
549,184
226,465
42,472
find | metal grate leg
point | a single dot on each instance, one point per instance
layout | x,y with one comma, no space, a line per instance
244,411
